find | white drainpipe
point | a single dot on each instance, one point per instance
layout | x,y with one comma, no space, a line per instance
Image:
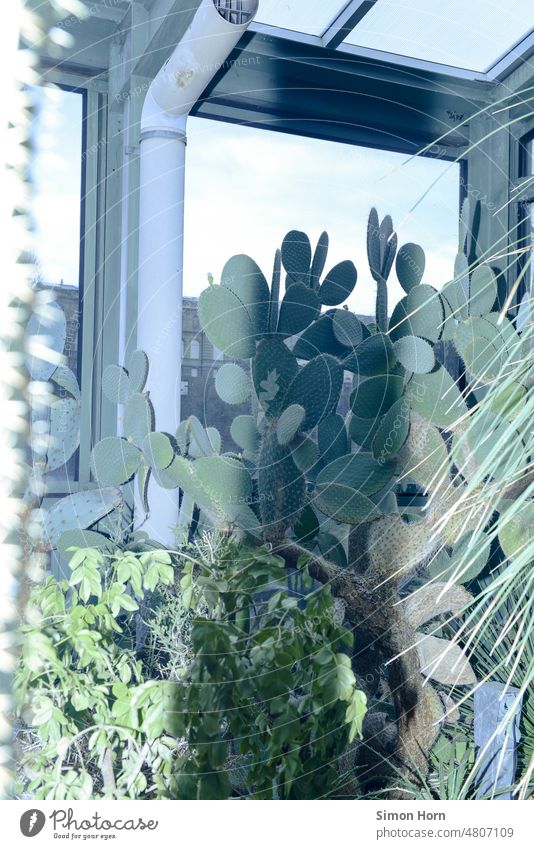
205,46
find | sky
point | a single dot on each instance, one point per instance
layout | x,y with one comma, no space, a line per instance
56,174
246,188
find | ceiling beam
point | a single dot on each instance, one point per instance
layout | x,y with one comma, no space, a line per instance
109,10
346,21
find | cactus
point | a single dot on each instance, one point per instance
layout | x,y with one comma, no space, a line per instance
338,284
115,460
410,265
233,384
415,354
78,511
64,435
297,480
289,423
46,333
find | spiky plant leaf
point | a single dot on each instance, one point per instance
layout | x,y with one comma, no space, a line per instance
273,369
444,662
517,531
436,397
392,431
80,510
482,290
305,453
64,435
116,384
275,292
374,356
137,367
299,308
226,322
432,600
114,461
373,244
297,256
46,333
233,384
332,438
65,377
79,538
307,526
410,265
362,431
319,260
344,504
319,338
289,423
316,387
245,433
138,417
374,396
242,276
348,329
158,450
415,354
338,284
358,471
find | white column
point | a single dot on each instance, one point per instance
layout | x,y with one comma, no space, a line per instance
160,284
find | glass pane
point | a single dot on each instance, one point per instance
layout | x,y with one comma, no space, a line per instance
312,17
57,177
246,188
471,35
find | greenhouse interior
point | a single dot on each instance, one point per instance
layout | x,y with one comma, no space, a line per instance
268,381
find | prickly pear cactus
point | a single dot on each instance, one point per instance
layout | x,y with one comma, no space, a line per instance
316,476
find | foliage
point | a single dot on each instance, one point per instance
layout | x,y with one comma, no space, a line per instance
271,682
102,729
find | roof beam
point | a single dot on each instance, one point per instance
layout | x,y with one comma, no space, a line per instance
346,21
109,10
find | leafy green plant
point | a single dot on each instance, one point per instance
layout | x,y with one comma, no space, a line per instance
99,727
271,682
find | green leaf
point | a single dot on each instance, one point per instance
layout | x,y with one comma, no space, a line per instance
415,354
358,471
138,418
137,367
338,284
226,322
289,423
355,714
296,256
116,384
233,384
410,265
273,369
299,308
348,329
114,461
436,397
158,450
316,387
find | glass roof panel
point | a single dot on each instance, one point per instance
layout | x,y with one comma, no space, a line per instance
309,16
471,34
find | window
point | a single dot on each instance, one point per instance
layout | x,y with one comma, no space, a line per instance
471,35
57,181
311,185
308,16
526,221
194,349
194,372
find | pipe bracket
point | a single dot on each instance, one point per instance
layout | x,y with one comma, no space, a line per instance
180,135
